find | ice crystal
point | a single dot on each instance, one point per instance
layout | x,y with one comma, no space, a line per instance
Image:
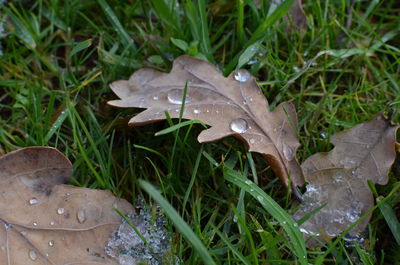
129,248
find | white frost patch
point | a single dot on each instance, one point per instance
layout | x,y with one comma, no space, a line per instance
125,245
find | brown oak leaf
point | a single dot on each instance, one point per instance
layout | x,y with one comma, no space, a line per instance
46,222
232,105
339,178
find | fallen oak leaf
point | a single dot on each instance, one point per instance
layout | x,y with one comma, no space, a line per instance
232,105
298,16
339,178
46,222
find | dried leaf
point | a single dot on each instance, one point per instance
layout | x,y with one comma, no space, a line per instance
298,16
45,222
339,178
232,105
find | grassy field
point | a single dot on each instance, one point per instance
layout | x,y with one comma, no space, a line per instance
58,58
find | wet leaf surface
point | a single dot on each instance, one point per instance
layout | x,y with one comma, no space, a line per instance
339,178
232,105
44,221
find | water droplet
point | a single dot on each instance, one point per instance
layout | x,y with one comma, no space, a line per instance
33,201
51,243
235,218
248,182
81,216
32,255
208,111
259,198
35,223
156,98
324,135
175,96
239,126
60,210
52,223
177,110
142,101
295,225
288,152
241,75
252,141
196,111
338,178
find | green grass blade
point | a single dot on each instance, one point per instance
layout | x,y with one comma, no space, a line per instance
128,42
391,219
21,30
178,126
80,46
179,223
231,246
56,125
260,32
290,226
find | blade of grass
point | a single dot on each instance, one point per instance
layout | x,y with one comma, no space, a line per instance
128,42
260,32
179,223
391,219
290,226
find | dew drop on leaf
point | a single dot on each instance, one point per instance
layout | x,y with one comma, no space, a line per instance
288,152
239,126
32,255
81,216
175,96
33,201
60,210
242,76
142,101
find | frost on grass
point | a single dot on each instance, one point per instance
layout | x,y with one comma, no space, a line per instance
129,248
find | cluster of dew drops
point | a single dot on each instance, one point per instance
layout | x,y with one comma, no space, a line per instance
176,96
32,254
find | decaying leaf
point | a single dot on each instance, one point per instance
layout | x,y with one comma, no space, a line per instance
339,178
299,18
46,222
232,105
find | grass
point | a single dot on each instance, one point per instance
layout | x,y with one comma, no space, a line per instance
59,57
